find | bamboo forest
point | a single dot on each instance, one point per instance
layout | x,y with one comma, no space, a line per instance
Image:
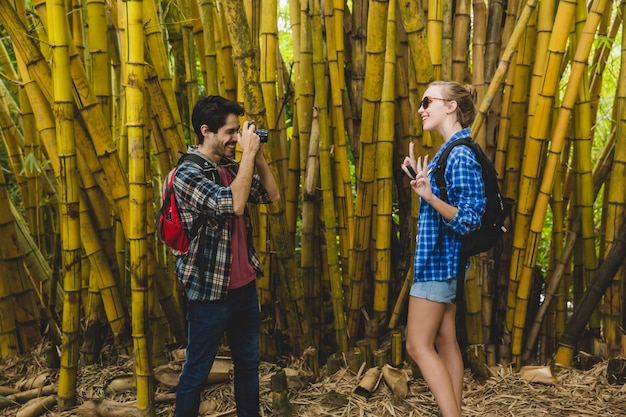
95,109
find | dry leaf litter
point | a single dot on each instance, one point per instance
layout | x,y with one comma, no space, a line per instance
576,393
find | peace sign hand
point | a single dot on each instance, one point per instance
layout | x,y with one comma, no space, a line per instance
421,184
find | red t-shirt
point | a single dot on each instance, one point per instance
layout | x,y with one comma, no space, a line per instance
241,272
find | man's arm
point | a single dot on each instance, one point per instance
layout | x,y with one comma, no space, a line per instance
252,157
267,178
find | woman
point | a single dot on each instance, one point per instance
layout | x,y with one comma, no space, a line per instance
448,108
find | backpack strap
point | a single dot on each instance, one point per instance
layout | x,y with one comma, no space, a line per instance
440,168
439,172
210,172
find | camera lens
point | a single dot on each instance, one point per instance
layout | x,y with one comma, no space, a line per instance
262,135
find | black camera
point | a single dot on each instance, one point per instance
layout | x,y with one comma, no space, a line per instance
262,135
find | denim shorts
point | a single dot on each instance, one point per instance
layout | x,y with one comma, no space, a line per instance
438,291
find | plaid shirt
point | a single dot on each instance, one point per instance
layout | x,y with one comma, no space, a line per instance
466,190
205,269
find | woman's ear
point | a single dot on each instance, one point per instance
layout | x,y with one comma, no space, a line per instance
451,105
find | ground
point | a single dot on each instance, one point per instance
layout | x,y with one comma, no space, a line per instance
573,393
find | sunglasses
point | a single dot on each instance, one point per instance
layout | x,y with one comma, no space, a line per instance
427,100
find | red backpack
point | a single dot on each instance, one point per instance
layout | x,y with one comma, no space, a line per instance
168,224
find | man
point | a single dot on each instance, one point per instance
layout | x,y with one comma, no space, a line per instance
220,268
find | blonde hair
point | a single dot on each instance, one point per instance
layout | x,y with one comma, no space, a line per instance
464,95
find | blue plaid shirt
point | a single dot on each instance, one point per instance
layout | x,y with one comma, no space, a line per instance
466,190
205,269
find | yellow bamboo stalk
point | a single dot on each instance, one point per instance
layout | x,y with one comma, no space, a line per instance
268,31
615,208
556,146
562,262
359,267
292,181
583,166
384,174
342,175
310,252
165,116
281,242
207,17
99,61
476,340
114,186
308,140
556,326
513,9
13,143
545,25
198,37
434,29
415,27
534,150
326,181
68,201
159,57
479,39
304,83
107,161
33,170
8,69
511,161
94,126
358,57
94,319
159,148
101,261
600,58
135,120
18,292
460,47
503,67
77,25
447,39
9,344
36,263
228,84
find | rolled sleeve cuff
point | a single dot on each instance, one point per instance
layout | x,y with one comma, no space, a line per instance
462,223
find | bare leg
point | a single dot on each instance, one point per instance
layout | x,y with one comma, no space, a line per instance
423,328
449,352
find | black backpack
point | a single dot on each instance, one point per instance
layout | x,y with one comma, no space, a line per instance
496,211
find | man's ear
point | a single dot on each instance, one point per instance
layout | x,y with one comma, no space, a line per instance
204,129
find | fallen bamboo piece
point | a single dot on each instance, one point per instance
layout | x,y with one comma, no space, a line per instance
107,408
24,396
7,390
34,382
37,406
224,413
397,380
540,374
368,383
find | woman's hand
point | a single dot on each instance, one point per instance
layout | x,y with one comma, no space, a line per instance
421,183
408,165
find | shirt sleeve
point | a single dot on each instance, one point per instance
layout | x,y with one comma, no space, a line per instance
201,196
258,195
466,190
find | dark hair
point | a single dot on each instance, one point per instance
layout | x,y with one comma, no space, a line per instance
464,95
212,111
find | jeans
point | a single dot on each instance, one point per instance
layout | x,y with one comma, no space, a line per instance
239,317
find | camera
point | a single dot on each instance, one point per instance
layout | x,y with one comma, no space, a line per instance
262,135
